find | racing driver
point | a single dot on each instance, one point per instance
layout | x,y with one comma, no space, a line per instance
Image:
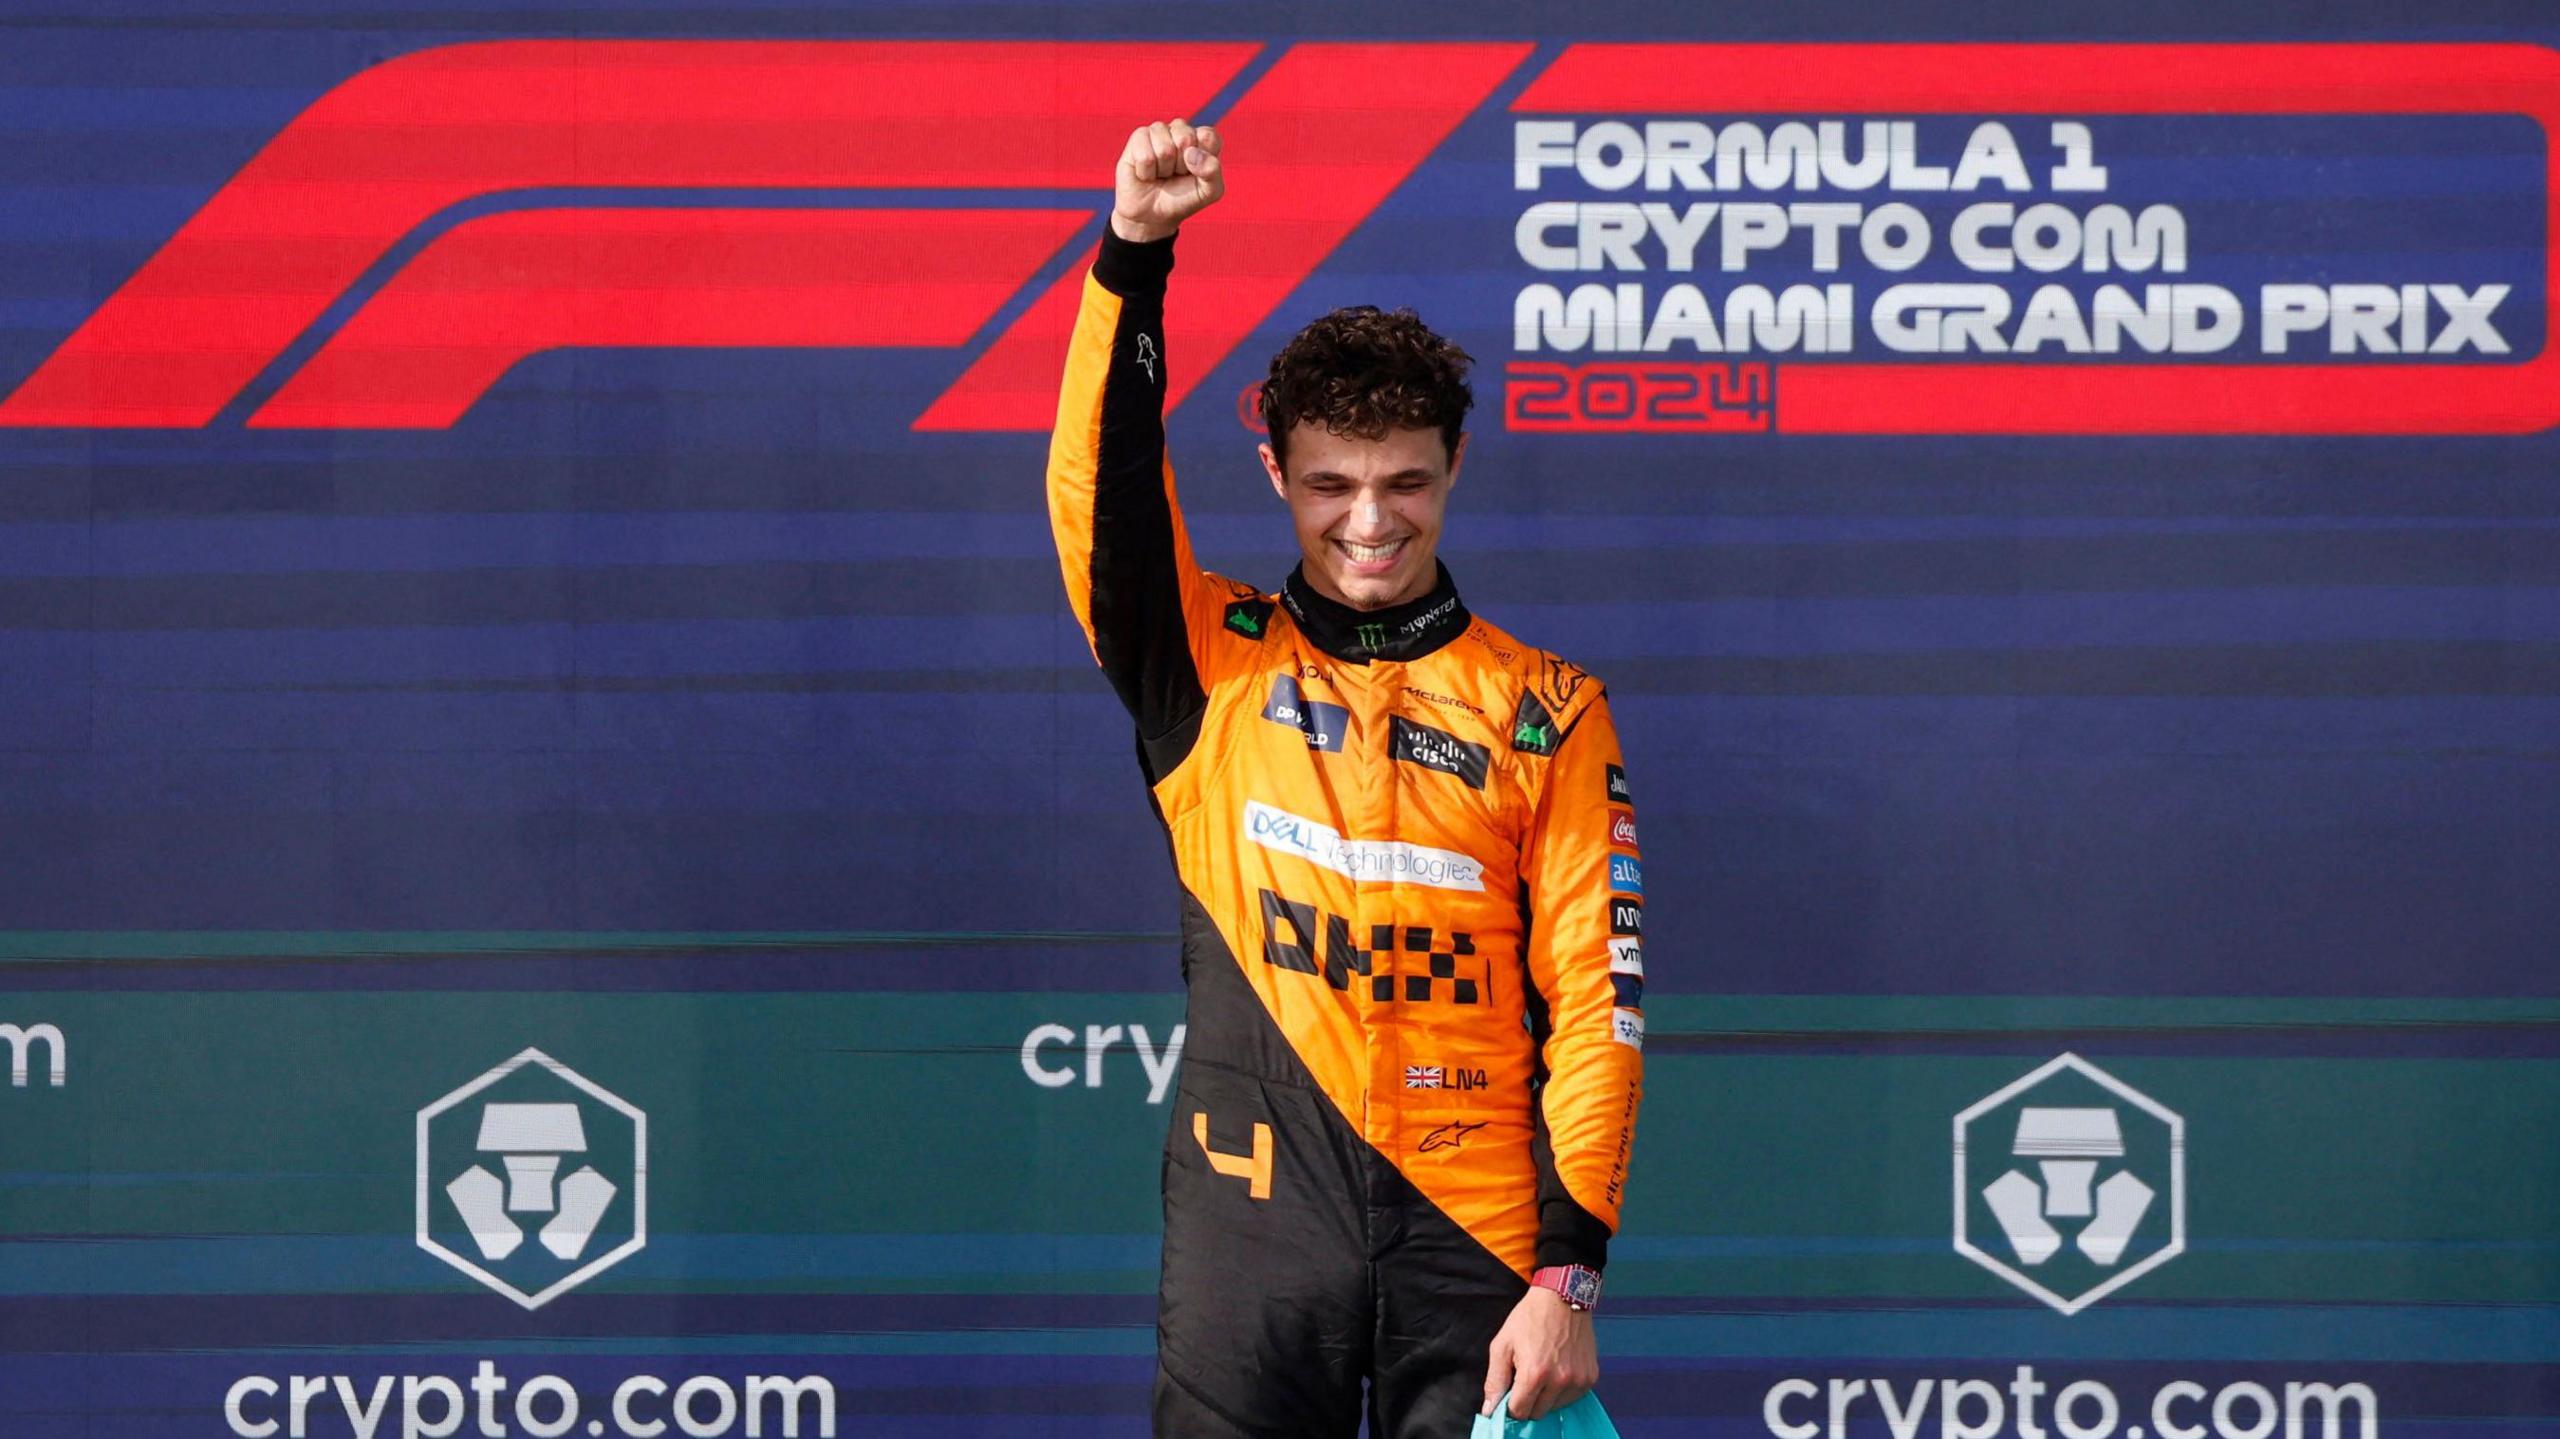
1411,898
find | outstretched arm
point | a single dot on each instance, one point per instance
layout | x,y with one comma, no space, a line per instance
1121,547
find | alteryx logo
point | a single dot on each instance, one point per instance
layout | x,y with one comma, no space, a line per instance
2070,1183
532,1179
1626,874
775,246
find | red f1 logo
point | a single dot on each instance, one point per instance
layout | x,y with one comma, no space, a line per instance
396,147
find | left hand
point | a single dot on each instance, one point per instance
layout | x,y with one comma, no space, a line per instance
1168,172
1545,1355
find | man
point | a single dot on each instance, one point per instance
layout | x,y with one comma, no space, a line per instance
1411,893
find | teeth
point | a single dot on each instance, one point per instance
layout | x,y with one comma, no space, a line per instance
1370,554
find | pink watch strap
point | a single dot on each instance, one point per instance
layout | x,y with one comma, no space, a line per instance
1576,1285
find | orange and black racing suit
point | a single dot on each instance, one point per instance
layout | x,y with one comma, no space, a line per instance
1412,935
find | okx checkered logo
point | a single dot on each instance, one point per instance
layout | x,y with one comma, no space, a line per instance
2070,1183
532,1179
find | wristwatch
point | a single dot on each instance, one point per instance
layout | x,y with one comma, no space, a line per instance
1578,1286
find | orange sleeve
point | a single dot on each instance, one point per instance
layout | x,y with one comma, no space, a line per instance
1585,883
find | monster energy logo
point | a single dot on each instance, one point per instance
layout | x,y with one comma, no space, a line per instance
1371,636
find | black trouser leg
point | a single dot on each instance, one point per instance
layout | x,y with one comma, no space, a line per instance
1264,1319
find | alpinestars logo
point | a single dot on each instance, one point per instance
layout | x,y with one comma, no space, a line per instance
2070,1184
532,1150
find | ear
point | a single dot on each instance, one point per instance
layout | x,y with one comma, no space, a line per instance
1271,466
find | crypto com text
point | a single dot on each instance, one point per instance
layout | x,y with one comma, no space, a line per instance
436,1406
2033,1408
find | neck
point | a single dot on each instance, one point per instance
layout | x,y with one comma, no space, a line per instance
1407,630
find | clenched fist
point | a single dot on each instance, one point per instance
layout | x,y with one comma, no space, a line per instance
1168,173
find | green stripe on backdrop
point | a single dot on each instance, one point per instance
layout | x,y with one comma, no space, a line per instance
2372,1181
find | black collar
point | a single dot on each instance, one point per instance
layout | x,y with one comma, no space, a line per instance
1400,632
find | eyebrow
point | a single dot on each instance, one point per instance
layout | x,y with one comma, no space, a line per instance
1415,472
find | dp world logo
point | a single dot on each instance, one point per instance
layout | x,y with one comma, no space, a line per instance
2070,1184
532,1179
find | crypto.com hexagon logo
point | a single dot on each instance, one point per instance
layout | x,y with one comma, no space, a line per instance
2075,1181
545,1154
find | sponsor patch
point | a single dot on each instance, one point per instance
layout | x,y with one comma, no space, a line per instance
1369,860
1561,679
1444,701
1626,916
1321,723
1533,729
1626,956
1618,792
1504,653
1428,618
1627,1027
1629,989
1437,749
1452,1135
1250,618
1622,827
1626,874
1422,1076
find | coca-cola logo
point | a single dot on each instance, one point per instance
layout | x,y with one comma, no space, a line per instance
1622,828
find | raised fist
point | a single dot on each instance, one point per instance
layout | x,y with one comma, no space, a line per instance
1168,173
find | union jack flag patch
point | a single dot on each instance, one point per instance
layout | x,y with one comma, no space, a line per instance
1422,1076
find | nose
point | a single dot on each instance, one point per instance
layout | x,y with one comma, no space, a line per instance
1368,520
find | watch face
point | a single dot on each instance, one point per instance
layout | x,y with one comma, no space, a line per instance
1581,1288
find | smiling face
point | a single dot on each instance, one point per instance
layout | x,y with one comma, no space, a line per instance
1368,512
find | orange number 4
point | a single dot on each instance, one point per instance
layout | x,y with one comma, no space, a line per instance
1254,1168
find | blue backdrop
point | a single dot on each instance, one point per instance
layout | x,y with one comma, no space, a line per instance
695,705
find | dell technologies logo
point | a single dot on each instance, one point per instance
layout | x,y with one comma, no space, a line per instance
532,1150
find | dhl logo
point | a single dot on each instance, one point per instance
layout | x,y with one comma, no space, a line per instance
434,201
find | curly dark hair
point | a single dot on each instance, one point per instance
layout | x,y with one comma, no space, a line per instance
1361,372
